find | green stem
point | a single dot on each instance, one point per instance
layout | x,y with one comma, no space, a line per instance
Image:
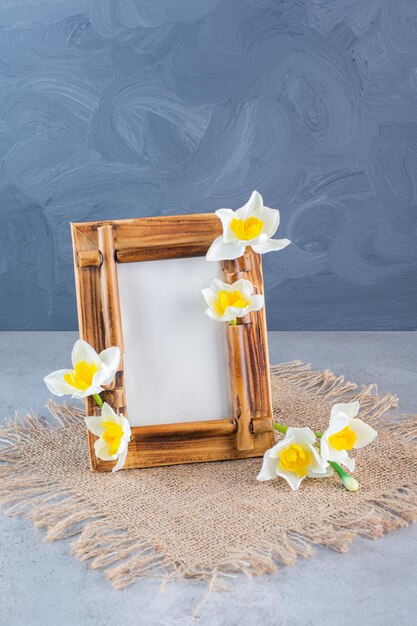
98,399
349,482
233,322
283,429
338,469
280,427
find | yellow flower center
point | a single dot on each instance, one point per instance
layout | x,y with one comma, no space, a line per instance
246,229
229,298
295,459
112,436
343,440
81,376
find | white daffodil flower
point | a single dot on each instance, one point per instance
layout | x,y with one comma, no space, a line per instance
345,432
252,225
228,302
91,371
294,458
113,432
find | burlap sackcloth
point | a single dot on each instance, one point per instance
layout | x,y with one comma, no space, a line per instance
210,519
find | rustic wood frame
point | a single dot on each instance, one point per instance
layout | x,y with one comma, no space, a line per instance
98,246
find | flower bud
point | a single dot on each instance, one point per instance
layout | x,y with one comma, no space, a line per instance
350,483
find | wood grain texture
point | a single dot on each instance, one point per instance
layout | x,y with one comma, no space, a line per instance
100,324
109,287
152,238
254,335
89,258
183,429
240,385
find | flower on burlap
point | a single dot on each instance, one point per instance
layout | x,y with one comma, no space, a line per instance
113,432
226,302
345,432
294,458
90,371
252,225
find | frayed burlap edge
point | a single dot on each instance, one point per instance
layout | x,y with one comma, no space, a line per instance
125,557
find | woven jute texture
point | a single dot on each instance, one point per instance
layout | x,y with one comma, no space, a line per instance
210,520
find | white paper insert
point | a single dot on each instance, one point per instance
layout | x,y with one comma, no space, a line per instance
175,361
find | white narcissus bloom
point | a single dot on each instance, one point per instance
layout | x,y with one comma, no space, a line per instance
91,371
345,432
228,302
252,225
294,458
113,432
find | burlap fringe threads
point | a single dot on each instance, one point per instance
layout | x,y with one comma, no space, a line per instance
125,557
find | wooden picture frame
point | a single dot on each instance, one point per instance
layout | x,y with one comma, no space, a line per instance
98,248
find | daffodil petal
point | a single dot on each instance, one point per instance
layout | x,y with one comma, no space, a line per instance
301,435
82,351
213,315
320,464
338,456
275,450
342,457
233,312
56,383
218,285
365,434
219,250
262,238
270,245
323,473
242,285
121,460
270,219
351,409
255,202
127,431
338,421
324,448
93,423
101,450
209,296
102,376
226,317
91,391
257,303
268,469
111,358
109,414
226,216
293,479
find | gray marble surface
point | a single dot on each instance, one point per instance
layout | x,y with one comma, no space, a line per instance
41,584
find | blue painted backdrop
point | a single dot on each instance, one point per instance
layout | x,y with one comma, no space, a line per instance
123,108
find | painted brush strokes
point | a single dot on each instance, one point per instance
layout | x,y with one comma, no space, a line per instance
146,107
